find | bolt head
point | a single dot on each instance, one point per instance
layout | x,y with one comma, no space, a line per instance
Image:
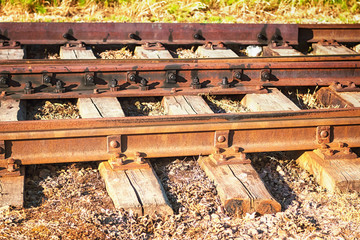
346,150
237,75
330,152
265,75
222,157
324,134
236,149
172,76
114,144
242,156
216,150
132,77
221,139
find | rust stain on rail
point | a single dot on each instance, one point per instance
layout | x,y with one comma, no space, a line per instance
87,140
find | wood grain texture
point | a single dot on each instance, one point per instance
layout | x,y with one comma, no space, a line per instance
181,105
120,189
336,175
87,108
142,53
150,191
352,97
100,107
215,53
108,107
280,52
12,190
319,49
12,110
272,101
240,188
138,190
76,54
7,54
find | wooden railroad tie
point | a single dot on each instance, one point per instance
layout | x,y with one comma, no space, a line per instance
338,170
11,175
240,188
131,186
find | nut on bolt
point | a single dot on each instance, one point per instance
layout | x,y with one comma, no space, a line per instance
225,83
3,80
346,150
46,79
144,85
28,88
89,79
11,165
195,84
138,158
59,87
265,75
131,77
237,75
113,85
171,77
222,157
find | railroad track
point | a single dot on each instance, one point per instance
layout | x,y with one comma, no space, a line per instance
188,126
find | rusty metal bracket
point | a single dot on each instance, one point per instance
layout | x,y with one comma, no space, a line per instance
342,152
348,87
10,45
2,149
323,134
221,139
153,46
114,144
74,46
331,42
211,46
276,45
235,158
11,168
121,162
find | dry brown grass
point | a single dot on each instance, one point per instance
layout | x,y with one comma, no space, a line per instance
52,109
227,11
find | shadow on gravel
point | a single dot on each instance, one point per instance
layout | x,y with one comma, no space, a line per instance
271,168
54,176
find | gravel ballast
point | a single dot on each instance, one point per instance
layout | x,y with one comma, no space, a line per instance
69,201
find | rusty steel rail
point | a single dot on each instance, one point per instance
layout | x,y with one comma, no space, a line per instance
126,78
37,142
174,33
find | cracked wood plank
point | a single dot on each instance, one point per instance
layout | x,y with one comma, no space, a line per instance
240,188
181,105
138,190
